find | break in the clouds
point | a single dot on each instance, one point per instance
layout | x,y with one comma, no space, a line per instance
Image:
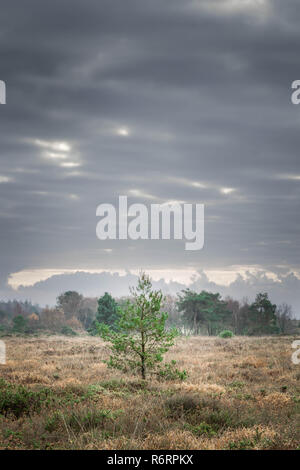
160,101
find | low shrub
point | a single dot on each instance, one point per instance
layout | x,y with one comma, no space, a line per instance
182,403
68,331
226,334
169,371
18,400
202,429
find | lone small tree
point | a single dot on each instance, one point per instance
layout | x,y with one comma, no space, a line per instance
140,338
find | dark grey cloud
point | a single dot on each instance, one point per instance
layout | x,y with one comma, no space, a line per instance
204,90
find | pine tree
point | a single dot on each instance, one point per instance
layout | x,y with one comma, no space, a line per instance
107,310
141,339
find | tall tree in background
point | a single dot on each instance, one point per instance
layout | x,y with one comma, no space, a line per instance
169,306
69,302
20,324
107,310
284,316
239,315
234,307
262,316
190,304
87,311
204,310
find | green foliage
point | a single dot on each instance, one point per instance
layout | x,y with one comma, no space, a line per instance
202,429
209,312
204,309
18,400
85,419
140,339
244,444
262,316
237,384
107,313
68,331
169,371
10,434
182,403
107,310
53,421
69,302
220,419
19,324
226,334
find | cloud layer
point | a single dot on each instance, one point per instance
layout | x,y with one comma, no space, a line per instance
173,100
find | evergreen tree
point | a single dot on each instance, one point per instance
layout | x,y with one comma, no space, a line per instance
262,316
107,313
205,309
141,338
19,324
107,310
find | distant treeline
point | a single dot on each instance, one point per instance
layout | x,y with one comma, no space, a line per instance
203,313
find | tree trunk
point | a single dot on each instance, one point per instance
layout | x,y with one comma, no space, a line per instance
143,367
195,324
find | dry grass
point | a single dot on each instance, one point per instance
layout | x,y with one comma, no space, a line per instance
241,393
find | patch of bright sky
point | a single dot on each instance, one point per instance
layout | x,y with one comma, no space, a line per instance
222,277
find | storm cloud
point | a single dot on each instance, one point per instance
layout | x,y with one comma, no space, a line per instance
159,101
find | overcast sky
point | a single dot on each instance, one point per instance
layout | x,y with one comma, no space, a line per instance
157,100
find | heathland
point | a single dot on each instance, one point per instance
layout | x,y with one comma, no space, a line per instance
241,393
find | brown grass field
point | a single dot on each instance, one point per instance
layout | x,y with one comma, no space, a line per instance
241,393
